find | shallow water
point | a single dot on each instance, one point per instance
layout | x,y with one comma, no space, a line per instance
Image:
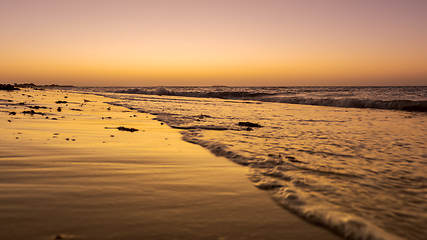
358,171
73,175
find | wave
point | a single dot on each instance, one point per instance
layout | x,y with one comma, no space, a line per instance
329,99
404,105
207,94
285,191
347,225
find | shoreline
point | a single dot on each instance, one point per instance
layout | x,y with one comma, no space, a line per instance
71,173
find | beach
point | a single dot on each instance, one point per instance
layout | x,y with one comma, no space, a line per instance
68,171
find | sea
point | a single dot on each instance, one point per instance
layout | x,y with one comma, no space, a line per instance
351,159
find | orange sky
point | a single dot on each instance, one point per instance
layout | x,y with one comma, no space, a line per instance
201,42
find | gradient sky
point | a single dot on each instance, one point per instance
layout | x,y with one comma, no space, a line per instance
221,42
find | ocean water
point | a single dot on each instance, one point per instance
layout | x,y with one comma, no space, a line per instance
352,159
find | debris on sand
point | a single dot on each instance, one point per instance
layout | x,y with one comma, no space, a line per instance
121,128
32,112
249,124
59,102
37,107
12,113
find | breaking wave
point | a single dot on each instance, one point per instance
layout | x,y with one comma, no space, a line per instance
328,97
271,175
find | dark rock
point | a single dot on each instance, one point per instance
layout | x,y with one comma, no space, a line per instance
249,124
12,113
59,102
8,87
25,85
59,109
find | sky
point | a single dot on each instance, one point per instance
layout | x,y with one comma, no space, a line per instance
207,42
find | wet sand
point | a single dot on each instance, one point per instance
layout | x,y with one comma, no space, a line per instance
67,172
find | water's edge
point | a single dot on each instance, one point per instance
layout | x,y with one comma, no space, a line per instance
262,172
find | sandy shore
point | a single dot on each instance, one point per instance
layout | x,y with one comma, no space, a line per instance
67,172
